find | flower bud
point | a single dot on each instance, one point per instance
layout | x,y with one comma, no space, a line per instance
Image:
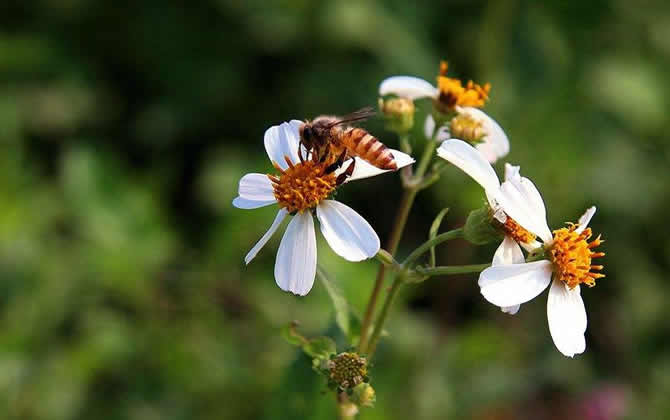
347,370
364,395
480,228
399,114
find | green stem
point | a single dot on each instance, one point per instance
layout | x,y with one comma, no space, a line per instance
398,228
404,144
343,410
382,316
425,247
452,269
394,240
425,159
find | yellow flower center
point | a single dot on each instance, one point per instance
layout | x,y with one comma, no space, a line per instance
519,234
453,93
348,370
303,185
571,254
466,128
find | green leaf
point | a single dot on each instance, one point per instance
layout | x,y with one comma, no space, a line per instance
320,347
478,228
433,232
340,304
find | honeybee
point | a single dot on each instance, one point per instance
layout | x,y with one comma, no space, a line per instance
331,140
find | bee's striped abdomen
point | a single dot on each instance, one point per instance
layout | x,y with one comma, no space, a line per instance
366,146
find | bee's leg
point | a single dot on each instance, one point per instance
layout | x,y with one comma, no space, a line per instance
325,154
338,163
346,174
302,159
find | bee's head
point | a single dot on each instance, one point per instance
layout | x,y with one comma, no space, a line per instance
307,135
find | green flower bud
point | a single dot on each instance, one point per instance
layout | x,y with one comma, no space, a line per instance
479,228
399,114
364,395
347,370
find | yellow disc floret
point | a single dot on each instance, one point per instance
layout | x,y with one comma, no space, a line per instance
571,254
453,93
466,128
302,185
348,370
516,232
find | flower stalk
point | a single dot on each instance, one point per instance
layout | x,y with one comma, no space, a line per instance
426,246
411,188
451,269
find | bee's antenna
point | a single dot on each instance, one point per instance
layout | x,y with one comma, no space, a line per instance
360,115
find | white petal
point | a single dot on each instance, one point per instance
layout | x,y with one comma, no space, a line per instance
488,151
428,128
512,173
531,246
514,284
470,161
347,233
520,202
567,318
365,170
508,253
585,219
496,142
407,87
281,214
282,140
512,310
255,191
295,266
243,203
534,198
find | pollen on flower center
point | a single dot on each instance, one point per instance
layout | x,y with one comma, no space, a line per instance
302,185
571,254
453,93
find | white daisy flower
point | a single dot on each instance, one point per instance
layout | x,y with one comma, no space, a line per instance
470,123
301,190
473,163
569,262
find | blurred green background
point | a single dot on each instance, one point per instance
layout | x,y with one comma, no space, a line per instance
125,127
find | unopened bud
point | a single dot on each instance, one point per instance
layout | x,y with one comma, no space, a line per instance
364,395
347,370
399,114
480,227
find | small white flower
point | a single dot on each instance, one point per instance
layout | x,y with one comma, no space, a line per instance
301,189
473,163
569,264
470,123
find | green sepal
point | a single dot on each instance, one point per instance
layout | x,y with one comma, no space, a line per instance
292,336
320,348
479,229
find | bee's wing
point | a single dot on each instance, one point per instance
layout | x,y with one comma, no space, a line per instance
359,115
